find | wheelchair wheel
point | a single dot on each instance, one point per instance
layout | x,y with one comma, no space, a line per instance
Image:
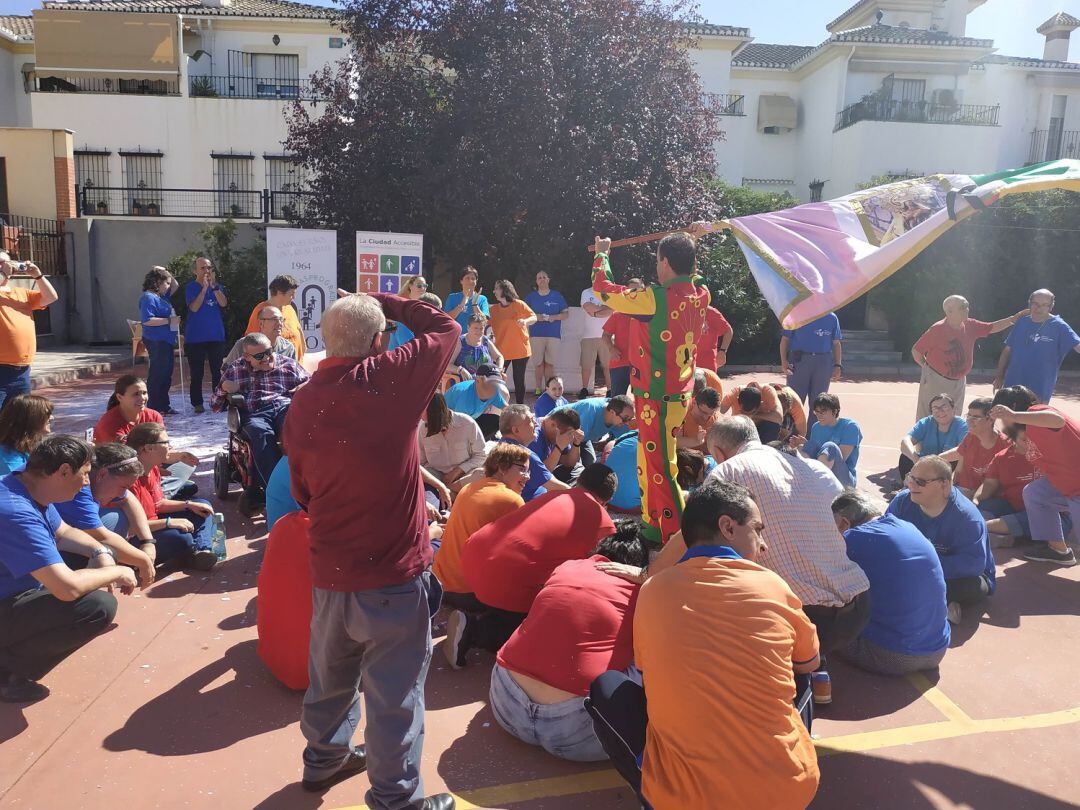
222,475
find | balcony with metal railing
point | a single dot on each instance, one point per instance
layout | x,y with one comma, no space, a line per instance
727,103
917,112
193,203
251,87
105,84
1054,144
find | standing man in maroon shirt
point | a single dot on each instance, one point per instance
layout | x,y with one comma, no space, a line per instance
355,465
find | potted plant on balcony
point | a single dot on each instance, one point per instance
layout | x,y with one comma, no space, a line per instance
102,208
136,208
203,86
152,209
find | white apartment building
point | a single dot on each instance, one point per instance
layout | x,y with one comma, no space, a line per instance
190,94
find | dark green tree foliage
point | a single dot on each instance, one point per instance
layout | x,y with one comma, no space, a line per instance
510,132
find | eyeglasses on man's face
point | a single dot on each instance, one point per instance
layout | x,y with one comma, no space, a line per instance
922,482
278,318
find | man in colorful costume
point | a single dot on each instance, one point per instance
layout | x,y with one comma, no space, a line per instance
667,321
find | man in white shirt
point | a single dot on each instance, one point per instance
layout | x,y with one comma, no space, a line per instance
593,344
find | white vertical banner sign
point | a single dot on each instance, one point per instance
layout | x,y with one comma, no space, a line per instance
384,260
309,256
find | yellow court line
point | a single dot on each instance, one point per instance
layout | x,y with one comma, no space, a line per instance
936,698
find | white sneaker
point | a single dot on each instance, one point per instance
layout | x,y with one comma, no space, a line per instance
954,613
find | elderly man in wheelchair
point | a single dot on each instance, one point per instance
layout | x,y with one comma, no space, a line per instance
266,381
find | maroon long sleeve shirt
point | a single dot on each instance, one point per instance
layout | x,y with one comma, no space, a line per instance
351,441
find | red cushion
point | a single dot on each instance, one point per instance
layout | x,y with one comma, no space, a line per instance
284,601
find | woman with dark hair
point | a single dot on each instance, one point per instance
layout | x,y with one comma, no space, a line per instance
1054,446
452,447
510,321
476,350
158,322
125,409
24,421
461,305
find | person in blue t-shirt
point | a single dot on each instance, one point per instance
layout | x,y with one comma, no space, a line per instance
954,526
48,611
158,319
834,440
518,426
558,442
551,399
932,435
551,310
412,288
1035,348
908,629
460,305
279,499
810,358
204,333
25,420
623,460
601,417
482,398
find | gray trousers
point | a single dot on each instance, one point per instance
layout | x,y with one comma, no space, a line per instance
808,377
378,641
931,384
869,656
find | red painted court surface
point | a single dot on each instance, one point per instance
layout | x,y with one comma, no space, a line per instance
172,709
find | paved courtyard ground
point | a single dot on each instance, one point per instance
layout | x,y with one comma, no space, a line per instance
172,709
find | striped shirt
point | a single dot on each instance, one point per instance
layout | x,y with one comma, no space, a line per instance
804,546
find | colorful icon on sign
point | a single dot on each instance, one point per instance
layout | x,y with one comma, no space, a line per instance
410,265
389,265
367,263
367,283
389,284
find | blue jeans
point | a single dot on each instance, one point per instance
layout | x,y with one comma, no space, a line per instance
262,429
115,521
14,380
173,543
159,377
839,466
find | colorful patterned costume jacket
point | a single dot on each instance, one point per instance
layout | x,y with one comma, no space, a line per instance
668,320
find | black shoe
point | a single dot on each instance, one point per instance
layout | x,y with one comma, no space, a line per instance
583,393
252,502
440,801
356,763
22,690
456,644
203,559
1047,553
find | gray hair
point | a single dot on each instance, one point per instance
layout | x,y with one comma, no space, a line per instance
511,415
255,339
1042,291
943,468
350,324
857,507
951,302
732,432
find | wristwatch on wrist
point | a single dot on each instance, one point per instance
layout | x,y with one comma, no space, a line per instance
103,550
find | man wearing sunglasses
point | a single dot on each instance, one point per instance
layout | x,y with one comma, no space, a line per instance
271,324
954,526
267,382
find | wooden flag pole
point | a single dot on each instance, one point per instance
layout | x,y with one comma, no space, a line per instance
717,227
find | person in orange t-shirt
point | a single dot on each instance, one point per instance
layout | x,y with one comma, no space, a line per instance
761,404
282,292
510,321
719,640
18,338
700,416
506,472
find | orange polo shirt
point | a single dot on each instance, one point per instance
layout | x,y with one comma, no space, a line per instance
715,638
291,331
480,503
18,340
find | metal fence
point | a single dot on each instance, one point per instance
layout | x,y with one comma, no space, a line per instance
37,240
728,103
94,84
1054,144
251,87
194,203
919,112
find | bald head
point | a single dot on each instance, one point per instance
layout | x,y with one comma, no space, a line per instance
351,325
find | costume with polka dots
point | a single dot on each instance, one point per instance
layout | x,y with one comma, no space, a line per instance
666,322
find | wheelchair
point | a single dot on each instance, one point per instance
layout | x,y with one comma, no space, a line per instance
233,465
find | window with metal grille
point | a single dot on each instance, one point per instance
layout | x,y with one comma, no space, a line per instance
284,178
264,75
92,173
232,180
142,180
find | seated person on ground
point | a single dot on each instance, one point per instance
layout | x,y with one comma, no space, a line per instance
759,403
509,560
977,449
24,421
909,627
834,439
718,640
47,611
623,459
700,416
694,466
183,530
601,417
953,524
551,399
476,349
794,423
506,471
482,398
283,607
932,435
104,509
267,382
279,499
518,426
579,626
271,322
558,443
452,448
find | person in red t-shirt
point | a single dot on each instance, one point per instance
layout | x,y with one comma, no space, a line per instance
507,562
1054,446
716,331
1001,497
617,336
580,626
945,352
978,448
126,409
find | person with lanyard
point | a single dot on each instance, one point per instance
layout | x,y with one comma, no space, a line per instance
1035,348
470,301
932,435
811,358
18,336
158,322
551,310
204,333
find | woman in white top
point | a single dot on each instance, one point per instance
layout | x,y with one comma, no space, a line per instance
452,447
